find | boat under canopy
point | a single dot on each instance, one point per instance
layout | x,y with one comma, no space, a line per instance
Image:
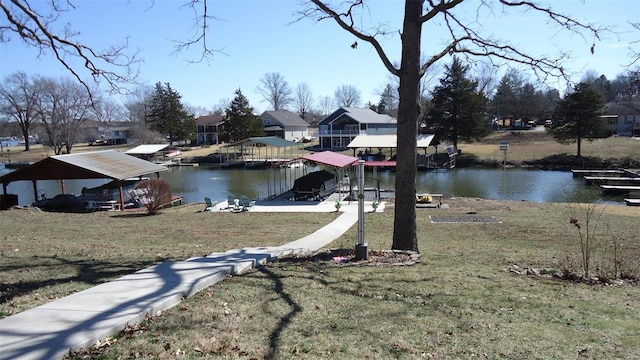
315,186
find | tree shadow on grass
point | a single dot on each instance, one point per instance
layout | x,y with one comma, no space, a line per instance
87,271
274,337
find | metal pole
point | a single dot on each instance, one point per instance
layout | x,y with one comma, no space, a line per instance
361,247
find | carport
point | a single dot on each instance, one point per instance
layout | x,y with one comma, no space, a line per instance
107,164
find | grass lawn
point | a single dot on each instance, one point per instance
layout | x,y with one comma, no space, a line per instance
533,145
44,256
459,303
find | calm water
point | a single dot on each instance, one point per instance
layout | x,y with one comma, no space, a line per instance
194,183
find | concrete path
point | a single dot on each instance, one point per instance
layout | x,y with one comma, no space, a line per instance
80,320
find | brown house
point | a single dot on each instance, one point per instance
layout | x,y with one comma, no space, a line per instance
207,128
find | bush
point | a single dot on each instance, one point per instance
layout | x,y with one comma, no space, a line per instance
153,194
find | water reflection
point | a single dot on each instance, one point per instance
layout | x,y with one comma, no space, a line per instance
194,183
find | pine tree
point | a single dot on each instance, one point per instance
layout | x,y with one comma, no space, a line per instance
242,123
458,108
577,116
168,116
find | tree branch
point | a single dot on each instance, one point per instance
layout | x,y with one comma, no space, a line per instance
34,30
201,25
322,8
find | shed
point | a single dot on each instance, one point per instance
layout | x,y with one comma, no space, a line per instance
107,164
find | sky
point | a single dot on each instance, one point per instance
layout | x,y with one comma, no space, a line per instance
256,37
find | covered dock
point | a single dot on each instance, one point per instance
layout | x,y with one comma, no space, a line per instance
258,152
340,163
107,164
379,160
149,152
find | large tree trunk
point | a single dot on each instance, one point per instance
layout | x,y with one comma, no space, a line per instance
25,135
404,228
579,141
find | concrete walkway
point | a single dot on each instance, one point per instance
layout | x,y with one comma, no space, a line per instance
80,320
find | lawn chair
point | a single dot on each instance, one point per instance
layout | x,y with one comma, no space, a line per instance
209,205
245,203
233,203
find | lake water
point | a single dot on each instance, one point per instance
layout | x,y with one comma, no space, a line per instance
194,183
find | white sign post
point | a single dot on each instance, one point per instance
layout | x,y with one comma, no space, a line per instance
361,248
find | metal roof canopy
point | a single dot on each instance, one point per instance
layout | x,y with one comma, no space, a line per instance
147,149
386,141
106,164
333,159
272,141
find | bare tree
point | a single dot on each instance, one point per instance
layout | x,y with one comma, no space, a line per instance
221,107
486,74
463,39
64,105
326,104
108,110
36,29
275,90
19,101
136,104
303,99
347,95
634,51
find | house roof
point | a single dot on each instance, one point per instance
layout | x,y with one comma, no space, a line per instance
284,117
109,164
331,158
146,149
386,141
272,141
210,120
368,116
614,108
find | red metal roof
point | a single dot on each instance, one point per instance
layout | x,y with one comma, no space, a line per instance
386,163
332,159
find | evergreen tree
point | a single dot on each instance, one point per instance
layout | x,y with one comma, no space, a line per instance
458,109
577,116
168,116
388,100
241,122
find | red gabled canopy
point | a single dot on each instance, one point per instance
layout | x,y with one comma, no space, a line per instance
333,159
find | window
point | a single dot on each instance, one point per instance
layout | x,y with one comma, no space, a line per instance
629,120
612,121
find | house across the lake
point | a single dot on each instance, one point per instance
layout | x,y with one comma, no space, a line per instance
208,127
338,129
622,120
284,124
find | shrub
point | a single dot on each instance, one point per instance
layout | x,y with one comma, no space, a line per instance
153,194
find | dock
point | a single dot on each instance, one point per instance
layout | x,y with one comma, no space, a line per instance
632,202
596,172
611,180
619,189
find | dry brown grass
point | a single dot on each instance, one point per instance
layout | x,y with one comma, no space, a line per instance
458,304
537,145
44,256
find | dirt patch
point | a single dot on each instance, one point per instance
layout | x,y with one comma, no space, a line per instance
347,257
468,218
